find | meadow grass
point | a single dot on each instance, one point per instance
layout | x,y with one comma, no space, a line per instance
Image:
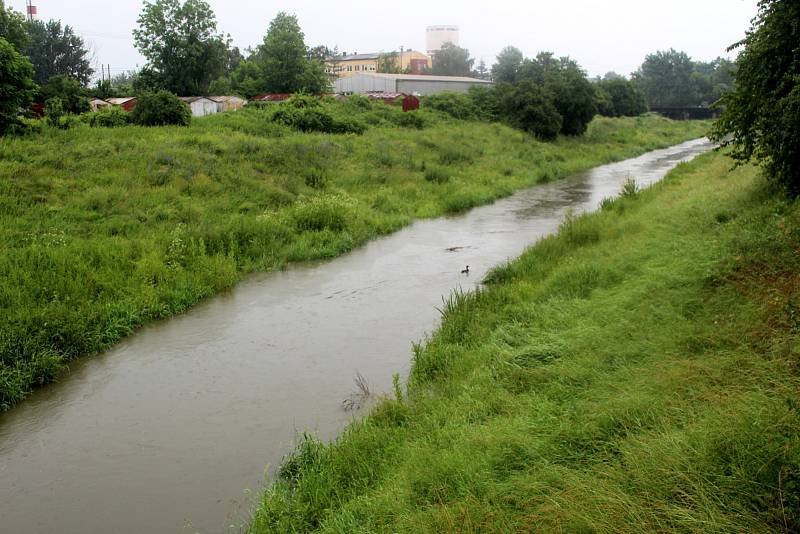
637,372
103,230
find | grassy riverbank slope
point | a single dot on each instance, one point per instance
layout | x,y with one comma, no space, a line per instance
104,229
637,372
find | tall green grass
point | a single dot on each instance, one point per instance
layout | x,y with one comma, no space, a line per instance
637,372
103,230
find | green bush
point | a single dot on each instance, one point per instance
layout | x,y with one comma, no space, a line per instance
458,106
620,98
54,110
16,88
300,115
762,112
160,109
327,212
529,107
108,117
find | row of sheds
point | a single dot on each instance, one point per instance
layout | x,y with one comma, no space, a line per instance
200,105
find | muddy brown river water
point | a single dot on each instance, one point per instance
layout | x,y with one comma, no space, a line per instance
180,425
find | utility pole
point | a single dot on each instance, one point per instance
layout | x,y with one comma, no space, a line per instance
401,59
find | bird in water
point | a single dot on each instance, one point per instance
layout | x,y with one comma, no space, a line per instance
465,271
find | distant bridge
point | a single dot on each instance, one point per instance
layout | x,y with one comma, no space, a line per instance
690,113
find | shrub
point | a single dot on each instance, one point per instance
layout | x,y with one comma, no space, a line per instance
160,109
529,107
411,119
70,92
327,212
108,117
459,106
359,102
763,110
313,118
16,89
54,110
621,98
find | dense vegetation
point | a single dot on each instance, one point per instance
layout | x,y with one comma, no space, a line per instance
16,85
637,372
761,120
104,229
670,78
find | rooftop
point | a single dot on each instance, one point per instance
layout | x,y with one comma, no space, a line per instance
421,77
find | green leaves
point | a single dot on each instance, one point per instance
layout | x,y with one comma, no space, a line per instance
762,112
182,45
283,60
16,86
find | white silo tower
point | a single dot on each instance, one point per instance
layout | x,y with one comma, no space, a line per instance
436,36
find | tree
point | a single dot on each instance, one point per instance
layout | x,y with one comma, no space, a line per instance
181,44
625,98
55,50
508,63
762,111
665,78
12,27
572,94
284,62
530,107
246,79
161,109
482,71
122,83
389,63
16,85
713,79
452,60
68,91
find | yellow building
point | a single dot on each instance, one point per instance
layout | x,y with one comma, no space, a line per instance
407,61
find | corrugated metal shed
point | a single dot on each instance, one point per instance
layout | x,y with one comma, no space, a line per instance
228,103
200,105
96,103
272,97
405,83
127,103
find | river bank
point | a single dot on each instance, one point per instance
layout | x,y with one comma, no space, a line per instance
104,230
638,371
213,399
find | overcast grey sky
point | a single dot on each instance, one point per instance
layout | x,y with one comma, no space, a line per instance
600,35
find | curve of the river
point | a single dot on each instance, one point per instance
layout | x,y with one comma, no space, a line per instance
165,432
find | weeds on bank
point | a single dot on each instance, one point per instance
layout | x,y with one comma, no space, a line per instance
636,372
105,229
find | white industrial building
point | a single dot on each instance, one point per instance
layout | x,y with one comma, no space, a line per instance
436,36
410,84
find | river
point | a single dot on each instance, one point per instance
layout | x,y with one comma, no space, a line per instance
177,428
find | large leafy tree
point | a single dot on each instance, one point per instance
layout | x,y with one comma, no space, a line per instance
452,60
573,95
624,97
55,50
68,91
665,77
12,27
284,59
182,46
762,112
16,86
508,63
389,63
528,106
